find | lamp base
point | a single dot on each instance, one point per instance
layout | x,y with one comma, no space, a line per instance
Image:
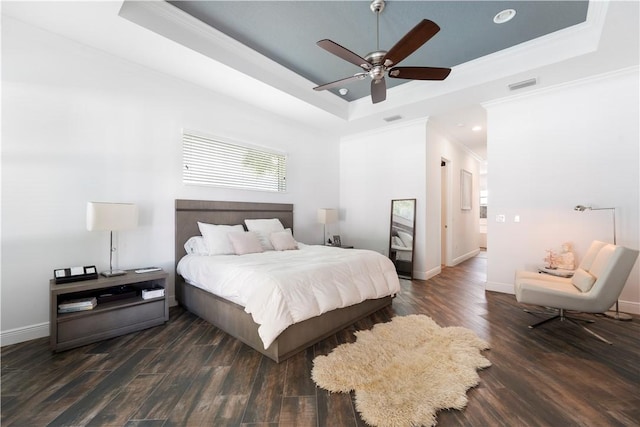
111,273
617,315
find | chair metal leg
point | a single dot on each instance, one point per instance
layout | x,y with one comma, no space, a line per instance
542,322
589,330
562,317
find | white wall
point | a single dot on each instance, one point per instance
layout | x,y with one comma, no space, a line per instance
375,168
552,150
404,162
79,125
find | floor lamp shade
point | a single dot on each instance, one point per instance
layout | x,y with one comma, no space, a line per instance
111,217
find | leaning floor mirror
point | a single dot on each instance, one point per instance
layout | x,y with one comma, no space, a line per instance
401,236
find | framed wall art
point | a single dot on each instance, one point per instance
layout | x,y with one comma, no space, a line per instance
466,186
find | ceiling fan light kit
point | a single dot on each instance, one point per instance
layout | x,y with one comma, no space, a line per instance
379,63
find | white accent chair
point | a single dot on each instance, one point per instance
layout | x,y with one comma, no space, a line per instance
594,287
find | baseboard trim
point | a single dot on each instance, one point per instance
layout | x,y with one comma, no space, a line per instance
505,288
27,333
426,275
172,301
627,307
465,257
41,330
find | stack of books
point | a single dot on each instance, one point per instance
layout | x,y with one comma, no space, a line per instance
77,305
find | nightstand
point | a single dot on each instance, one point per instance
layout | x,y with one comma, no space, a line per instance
120,308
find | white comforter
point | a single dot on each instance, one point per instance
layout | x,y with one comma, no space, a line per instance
280,288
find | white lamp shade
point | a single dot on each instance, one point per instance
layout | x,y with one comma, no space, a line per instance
111,216
327,216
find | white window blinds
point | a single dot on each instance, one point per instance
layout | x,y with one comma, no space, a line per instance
209,161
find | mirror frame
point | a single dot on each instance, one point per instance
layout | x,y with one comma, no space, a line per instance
392,256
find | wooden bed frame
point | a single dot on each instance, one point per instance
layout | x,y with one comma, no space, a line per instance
231,317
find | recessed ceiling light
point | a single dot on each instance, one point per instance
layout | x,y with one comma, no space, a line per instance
343,91
504,16
476,128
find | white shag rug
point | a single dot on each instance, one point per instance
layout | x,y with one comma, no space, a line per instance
405,370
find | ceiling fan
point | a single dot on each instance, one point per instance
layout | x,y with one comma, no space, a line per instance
377,64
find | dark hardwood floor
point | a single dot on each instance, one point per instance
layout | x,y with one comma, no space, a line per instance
188,373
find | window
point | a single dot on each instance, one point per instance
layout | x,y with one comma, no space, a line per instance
209,161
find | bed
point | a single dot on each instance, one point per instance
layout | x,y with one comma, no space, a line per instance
230,316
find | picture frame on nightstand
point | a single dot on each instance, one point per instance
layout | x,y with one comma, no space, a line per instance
336,241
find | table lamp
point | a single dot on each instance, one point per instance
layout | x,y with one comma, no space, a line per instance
102,216
326,216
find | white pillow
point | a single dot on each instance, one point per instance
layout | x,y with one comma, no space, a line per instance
283,240
196,245
406,238
264,228
215,237
244,243
602,260
583,280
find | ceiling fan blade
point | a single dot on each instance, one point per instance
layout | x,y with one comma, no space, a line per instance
341,82
344,53
378,90
419,73
411,42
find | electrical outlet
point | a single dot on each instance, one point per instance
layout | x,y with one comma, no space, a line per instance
501,218
516,218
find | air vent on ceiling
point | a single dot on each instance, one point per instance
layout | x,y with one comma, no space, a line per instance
392,118
523,84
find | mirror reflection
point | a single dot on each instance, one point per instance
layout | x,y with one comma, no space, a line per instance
401,246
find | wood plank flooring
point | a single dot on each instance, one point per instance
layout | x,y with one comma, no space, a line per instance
188,373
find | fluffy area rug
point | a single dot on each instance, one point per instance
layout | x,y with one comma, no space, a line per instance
405,370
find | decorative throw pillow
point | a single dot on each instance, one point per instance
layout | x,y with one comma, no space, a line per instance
245,243
283,240
407,239
396,241
602,260
215,237
264,228
196,245
583,280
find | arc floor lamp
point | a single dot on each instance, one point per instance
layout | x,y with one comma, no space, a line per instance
580,208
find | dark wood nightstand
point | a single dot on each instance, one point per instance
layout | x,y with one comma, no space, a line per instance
120,308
